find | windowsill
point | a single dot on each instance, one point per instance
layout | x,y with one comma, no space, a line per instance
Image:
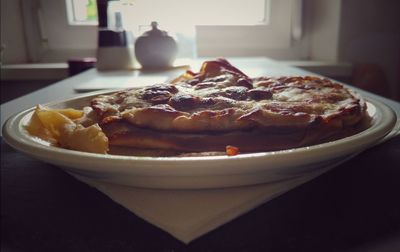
37,71
58,71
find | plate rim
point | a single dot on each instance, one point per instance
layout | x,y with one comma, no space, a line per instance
385,121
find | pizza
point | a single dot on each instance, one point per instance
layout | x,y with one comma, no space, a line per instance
221,107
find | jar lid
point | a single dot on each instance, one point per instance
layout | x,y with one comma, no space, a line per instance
155,31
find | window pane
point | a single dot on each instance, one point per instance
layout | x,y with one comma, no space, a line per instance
82,11
195,12
175,14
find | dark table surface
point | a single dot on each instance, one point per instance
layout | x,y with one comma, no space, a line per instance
354,207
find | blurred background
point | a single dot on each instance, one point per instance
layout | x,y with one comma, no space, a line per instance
354,41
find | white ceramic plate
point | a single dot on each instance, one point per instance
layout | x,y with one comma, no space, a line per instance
198,172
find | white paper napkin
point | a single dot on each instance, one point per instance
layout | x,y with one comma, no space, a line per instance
188,214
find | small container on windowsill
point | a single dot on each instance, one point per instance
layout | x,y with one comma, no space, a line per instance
115,48
76,66
155,49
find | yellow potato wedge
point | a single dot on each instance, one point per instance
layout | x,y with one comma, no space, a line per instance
57,127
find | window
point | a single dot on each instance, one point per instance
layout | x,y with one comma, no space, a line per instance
172,12
249,40
223,28
82,12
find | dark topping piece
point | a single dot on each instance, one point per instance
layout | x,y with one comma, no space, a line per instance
234,92
265,82
260,94
194,81
317,120
158,94
183,101
162,87
204,85
245,82
156,97
186,102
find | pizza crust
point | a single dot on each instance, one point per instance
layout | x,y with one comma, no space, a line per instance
255,140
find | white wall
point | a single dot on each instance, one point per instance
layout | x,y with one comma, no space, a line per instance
12,35
323,25
370,34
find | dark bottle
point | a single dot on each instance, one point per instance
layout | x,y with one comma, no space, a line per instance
155,49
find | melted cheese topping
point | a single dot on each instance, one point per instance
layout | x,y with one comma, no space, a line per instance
221,98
